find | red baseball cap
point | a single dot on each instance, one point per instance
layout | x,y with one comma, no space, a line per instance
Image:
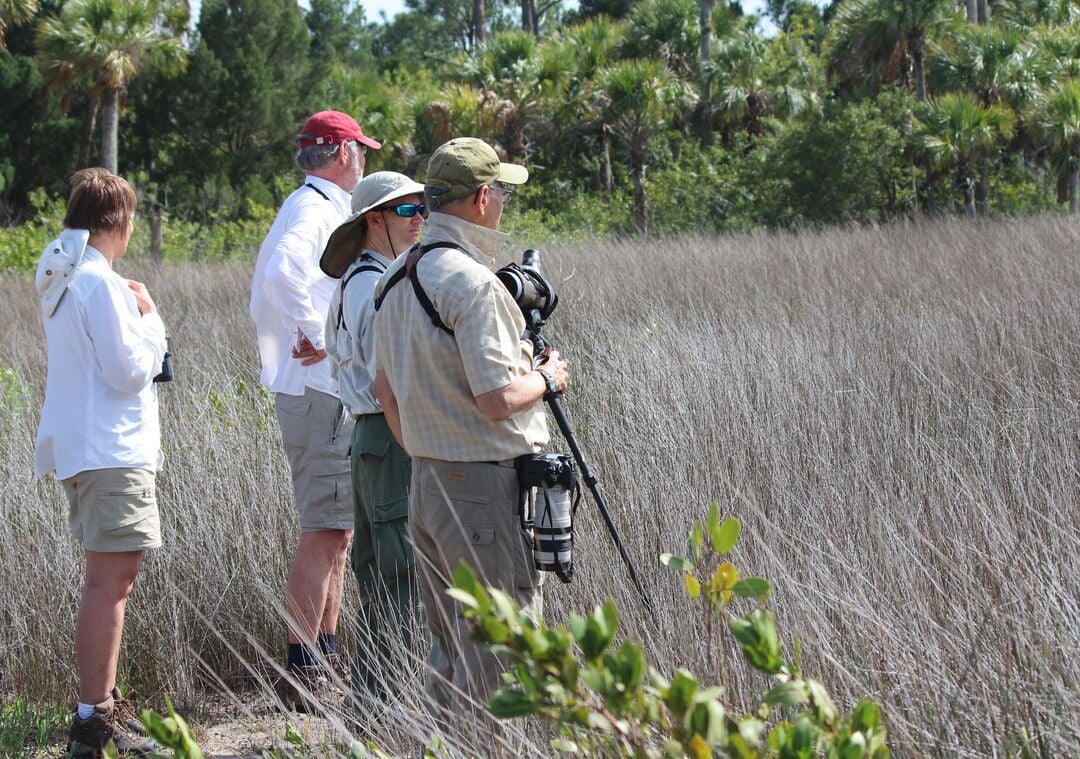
330,127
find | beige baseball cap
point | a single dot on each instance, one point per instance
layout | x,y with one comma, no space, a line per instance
464,165
373,191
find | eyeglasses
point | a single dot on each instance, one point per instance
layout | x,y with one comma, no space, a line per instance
408,210
361,147
504,191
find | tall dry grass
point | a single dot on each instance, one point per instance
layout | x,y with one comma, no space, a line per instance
892,413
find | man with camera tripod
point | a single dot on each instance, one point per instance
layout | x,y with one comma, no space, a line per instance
456,381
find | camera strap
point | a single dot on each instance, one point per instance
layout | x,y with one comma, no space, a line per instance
409,270
373,266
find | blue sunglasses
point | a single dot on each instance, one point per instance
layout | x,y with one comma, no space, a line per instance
408,210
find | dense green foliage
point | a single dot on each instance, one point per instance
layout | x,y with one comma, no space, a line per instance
606,699
635,116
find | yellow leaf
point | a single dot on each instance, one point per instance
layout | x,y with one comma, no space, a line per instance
698,748
693,587
723,580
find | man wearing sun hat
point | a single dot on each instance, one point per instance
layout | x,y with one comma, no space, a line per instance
388,210
459,391
289,301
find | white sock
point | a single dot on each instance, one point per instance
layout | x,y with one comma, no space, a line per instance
85,710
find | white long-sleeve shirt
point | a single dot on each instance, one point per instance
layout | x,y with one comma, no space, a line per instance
351,341
101,408
290,294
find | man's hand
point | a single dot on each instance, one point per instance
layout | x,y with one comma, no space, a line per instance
556,367
142,297
307,353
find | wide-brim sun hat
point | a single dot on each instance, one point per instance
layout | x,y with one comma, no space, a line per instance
373,191
57,266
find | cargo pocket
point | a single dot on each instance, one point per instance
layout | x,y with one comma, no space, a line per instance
393,549
123,510
481,551
329,504
292,414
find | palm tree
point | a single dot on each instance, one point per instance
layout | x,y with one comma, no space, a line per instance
1028,14
1058,125
956,130
578,117
750,79
639,96
511,66
14,12
111,42
668,30
998,65
888,39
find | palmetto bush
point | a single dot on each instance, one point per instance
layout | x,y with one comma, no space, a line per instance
892,414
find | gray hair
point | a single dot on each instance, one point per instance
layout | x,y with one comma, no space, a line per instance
317,156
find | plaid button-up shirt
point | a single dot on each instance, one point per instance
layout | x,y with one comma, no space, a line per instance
437,377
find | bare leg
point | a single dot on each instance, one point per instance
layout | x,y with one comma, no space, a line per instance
318,556
337,585
99,625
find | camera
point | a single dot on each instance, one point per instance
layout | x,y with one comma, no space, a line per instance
530,289
554,502
166,375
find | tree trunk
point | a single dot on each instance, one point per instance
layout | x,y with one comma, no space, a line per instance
973,11
527,16
983,12
157,231
637,171
918,50
89,123
982,189
704,57
608,179
478,21
1074,179
969,195
705,24
535,18
110,126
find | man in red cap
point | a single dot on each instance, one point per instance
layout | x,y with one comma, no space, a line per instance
290,296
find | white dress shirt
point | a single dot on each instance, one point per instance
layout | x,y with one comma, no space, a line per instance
290,294
100,407
351,343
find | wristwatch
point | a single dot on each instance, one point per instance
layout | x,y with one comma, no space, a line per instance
548,380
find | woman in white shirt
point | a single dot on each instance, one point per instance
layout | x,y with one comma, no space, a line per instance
99,435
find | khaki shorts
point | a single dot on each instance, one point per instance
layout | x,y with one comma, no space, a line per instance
316,432
113,510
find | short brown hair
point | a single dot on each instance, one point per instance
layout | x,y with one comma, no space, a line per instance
100,201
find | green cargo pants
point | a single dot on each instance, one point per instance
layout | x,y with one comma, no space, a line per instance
382,555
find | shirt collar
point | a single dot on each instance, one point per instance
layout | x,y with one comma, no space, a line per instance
480,243
376,256
93,254
338,196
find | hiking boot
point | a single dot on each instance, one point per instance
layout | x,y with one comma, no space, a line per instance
128,713
338,665
307,690
89,736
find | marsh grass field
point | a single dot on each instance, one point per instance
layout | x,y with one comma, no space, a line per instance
893,413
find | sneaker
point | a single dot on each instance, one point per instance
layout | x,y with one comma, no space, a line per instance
307,690
89,736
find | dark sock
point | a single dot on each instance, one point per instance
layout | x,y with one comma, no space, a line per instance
300,655
327,643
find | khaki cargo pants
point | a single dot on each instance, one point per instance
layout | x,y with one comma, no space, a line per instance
467,512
